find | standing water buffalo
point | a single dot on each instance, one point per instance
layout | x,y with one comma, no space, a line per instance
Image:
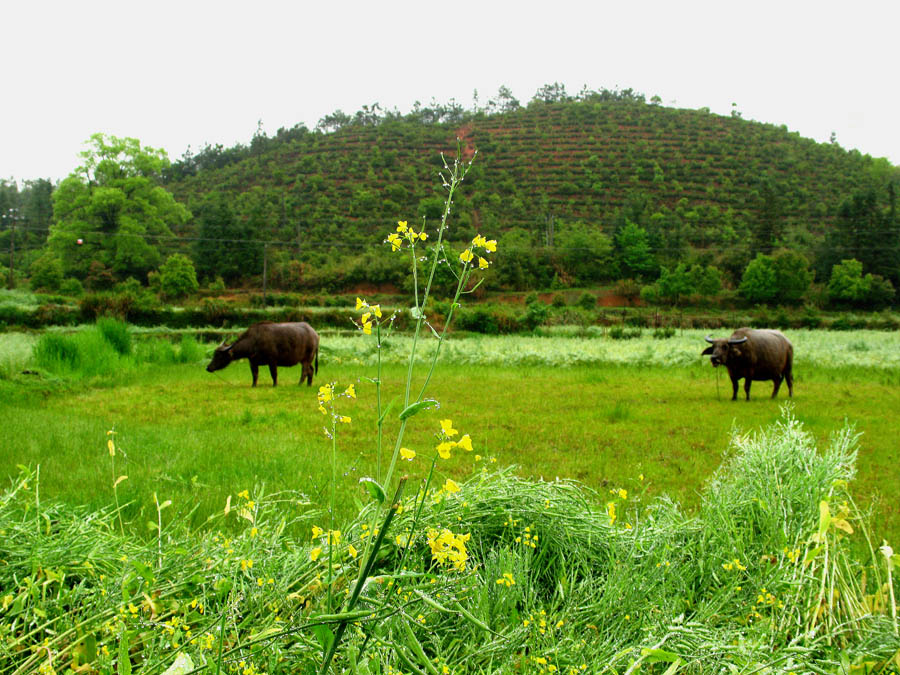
272,344
754,355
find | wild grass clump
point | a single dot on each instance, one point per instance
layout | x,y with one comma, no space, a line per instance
116,333
108,350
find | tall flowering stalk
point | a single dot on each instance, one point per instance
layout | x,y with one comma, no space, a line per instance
445,545
326,397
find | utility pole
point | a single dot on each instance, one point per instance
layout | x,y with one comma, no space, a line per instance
11,217
265,271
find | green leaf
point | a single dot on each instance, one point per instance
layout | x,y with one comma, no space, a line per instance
144,570
812,554
387,410
324,635
374,489
658,655
416,313
90,648
124,665
671,670
824,518
416,408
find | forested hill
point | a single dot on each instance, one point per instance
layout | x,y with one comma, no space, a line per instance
550,176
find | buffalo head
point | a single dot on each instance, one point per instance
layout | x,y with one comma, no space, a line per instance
723,349
221,358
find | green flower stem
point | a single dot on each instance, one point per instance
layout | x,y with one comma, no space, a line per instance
455,180
364,572
331,502
380,431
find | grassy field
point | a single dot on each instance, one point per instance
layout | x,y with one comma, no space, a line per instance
700,535
600,411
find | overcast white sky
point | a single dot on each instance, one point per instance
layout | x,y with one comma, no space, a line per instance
174,74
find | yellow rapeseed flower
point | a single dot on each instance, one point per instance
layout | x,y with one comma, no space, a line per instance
482,263
491,245
445,448
466,256
345,419
335,537
360,303
352,550
350,391
317,532
623,494
401,226
377,310
407,454
465,443
447,428
450,486
315,553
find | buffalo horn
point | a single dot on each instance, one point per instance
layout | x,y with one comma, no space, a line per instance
709,339
737,341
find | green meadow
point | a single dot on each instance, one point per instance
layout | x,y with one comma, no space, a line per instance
600,411
617,512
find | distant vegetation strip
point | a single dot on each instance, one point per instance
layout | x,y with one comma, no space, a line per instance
104,349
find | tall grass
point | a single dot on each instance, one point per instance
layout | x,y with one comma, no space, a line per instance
556,578
108,349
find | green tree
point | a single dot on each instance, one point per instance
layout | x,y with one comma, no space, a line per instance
177,277
636,260
847,286
674,285
585,252
760,280
769,224
112,209
705,280
792,276
46,272
868,232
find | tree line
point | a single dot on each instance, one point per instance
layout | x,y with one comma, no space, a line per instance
305,206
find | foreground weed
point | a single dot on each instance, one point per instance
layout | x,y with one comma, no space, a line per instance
447,547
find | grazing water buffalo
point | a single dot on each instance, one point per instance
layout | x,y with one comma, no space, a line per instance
754,355
272,344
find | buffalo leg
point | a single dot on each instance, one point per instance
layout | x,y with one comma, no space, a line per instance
777,381
254,370
273,371
790,382
734,388
747,382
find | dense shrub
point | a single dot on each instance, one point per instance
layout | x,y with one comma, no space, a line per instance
177,277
